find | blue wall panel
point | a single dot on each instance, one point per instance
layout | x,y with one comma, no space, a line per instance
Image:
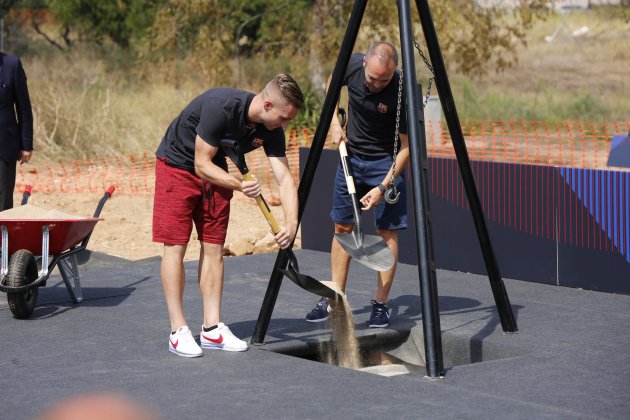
551,225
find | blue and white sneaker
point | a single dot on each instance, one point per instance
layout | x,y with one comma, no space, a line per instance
380,315
320,311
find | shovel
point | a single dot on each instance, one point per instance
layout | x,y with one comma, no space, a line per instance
308,283
369,250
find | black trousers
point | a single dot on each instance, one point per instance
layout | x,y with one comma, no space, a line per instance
7,184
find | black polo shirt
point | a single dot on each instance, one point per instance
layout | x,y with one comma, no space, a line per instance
372,116
214,115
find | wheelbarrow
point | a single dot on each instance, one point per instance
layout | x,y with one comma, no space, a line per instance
233,150
61,239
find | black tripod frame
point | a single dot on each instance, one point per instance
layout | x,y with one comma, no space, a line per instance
419,177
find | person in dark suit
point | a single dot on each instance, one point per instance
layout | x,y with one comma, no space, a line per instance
16,125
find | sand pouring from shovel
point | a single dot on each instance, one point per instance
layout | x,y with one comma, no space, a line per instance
308,283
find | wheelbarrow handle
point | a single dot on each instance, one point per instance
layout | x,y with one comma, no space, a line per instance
26,194
108,193
260,200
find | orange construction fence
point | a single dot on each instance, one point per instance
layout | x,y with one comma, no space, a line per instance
576,144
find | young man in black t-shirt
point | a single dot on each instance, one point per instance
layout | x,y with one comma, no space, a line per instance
373,85
192,185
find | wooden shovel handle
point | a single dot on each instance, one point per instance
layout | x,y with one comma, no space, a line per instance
273,223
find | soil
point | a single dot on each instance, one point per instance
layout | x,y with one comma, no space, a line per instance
31,211
125,230
345,346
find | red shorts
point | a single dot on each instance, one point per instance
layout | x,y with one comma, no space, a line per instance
182,198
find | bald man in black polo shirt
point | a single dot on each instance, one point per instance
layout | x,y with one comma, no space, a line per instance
372,81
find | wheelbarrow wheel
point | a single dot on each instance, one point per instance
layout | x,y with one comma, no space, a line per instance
22,271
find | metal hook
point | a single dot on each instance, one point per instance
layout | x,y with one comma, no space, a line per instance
392,195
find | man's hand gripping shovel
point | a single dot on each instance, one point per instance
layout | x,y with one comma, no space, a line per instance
369,250
308,283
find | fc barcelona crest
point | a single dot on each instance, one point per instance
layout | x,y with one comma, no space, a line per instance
382,108
257,142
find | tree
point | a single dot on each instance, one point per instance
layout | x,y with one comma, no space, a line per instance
118,20
196,35
209,38
475,39
5,6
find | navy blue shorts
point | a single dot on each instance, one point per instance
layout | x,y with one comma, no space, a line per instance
368,173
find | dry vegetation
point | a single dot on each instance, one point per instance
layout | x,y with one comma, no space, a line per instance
82,110
572,77
85,108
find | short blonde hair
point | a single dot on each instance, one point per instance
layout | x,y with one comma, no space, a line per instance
287,87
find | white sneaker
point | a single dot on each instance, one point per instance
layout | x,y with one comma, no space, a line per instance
182,343
221,338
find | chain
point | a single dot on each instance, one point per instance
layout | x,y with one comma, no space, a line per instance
429,66
391,194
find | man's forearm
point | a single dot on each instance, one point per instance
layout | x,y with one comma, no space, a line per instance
402,159
217,176
288,196
335,121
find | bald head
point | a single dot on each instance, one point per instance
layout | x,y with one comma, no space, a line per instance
380,64
384,51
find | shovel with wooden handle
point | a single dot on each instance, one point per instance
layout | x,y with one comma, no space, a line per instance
308,283
369,250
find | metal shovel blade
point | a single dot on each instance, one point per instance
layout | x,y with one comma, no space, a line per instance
309,284
369,250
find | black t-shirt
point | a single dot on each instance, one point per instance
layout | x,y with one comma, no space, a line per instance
214,115
372,116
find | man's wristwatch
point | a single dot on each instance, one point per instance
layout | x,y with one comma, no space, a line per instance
382,188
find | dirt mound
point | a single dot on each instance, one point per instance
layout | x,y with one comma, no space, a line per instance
29,211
